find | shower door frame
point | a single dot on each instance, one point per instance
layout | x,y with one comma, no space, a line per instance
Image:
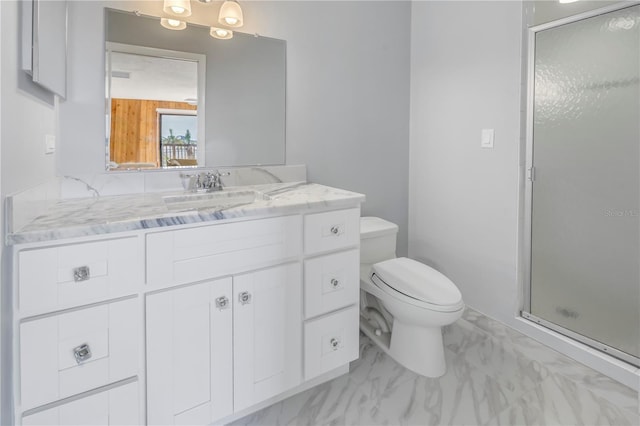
529,178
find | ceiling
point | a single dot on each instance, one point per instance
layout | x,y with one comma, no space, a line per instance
147,77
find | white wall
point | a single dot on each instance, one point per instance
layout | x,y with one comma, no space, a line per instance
347,92
463,209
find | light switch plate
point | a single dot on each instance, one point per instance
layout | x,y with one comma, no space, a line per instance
49,144
487,138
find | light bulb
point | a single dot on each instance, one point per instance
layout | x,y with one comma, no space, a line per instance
173,24
567,1
221,33
231,21
177,10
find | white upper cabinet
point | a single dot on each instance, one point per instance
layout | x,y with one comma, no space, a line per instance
44,43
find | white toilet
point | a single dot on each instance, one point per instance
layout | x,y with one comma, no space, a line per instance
404,303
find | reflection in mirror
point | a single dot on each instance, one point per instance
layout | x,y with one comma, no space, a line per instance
155,103
243,80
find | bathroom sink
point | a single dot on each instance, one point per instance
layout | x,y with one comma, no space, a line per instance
211,200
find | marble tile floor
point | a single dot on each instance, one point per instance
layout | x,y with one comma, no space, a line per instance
495,376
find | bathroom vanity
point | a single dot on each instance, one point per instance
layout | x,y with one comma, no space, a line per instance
182,308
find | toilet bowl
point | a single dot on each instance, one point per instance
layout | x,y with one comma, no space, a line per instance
404,303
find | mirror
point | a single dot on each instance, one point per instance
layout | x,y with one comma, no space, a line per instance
185,99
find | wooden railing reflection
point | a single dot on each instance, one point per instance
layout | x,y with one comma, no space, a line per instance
179,154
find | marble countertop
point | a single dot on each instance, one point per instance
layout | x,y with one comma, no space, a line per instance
104,215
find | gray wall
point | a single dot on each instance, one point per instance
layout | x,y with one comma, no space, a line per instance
28,114
463,210
347,93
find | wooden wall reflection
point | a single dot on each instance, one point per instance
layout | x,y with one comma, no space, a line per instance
134,129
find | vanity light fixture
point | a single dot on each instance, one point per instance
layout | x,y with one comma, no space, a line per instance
221,33
173,24
231,14
177,7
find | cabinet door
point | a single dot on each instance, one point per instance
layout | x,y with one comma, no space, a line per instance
189,354
267,333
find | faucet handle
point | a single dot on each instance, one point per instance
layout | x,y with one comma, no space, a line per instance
188,181
217,181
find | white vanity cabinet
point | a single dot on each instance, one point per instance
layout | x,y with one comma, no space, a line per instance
267,324
77,327
248,323
118,406
332,288
221,346
190,353
188,324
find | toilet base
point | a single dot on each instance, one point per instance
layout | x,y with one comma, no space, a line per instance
419,349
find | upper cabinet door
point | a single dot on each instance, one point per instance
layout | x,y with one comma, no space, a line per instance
267,333
49,45
189,354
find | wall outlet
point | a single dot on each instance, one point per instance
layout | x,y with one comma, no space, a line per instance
486,140
49,144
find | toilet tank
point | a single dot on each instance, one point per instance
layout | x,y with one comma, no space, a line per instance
377,240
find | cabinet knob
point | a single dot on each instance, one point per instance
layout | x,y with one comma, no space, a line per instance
244,297
335,283
82,353
334,343
222,302
335,229
81,273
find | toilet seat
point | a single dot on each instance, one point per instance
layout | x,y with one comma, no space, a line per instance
417,284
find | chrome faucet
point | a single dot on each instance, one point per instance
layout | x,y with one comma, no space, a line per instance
205,182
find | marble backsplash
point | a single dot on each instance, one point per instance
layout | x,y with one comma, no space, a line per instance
23,207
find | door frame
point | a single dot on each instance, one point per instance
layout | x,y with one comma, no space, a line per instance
529,177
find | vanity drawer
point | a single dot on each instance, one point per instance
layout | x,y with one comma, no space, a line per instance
331,230
72,352
197,254
117,406
71,275
330,342
331,282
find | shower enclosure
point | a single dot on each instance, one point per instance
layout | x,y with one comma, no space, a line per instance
582,212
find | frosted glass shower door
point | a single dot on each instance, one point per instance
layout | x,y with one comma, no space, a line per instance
585,218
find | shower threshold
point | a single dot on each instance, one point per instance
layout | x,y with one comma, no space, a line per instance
609,350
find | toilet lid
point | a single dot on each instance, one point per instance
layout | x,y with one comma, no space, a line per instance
418,281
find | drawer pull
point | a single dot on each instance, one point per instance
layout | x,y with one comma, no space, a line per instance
335,229
334,343
82,353
222,302
81,273
335,283
244,297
